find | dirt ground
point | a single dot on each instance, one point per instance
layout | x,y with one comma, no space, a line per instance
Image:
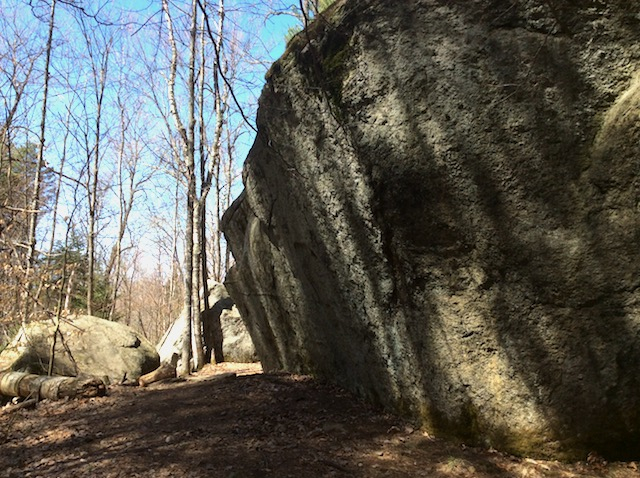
249,425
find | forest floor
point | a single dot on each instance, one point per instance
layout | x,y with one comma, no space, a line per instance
247,425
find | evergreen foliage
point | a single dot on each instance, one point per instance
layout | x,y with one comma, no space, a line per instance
68,274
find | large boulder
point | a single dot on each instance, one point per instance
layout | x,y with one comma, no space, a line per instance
442,213
85,345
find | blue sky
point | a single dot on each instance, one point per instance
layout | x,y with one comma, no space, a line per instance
260,27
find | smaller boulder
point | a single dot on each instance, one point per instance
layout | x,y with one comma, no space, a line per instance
237,345
170,345
222,326
85,345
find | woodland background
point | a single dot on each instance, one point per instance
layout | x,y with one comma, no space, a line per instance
123,125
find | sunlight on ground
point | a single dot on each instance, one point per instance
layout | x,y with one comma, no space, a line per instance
230,367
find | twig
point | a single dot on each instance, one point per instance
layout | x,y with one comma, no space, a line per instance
19,406
220,69
335,465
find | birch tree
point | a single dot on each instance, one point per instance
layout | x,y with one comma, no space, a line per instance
209,165
187,138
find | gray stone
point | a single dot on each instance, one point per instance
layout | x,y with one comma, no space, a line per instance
170,345
221,323
86,345
237,345
442,213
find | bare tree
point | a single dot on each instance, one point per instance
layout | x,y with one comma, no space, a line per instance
38,176
20,51
17,63
130,182
48,274
210,166
187,138
98,42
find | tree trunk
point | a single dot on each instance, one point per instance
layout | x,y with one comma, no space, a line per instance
20,384
99,81
188,152
198,351
124,211
55,209
163,372
37,181
209,172
200,252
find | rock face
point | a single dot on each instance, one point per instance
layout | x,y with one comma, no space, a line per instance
442,213
86,345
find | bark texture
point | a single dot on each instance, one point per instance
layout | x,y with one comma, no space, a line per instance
20,384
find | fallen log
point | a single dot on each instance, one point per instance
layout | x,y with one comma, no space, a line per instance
163,372
25,385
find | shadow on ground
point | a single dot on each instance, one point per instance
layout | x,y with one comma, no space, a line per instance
244,426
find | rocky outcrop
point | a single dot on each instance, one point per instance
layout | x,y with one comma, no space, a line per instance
85,345
442,213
